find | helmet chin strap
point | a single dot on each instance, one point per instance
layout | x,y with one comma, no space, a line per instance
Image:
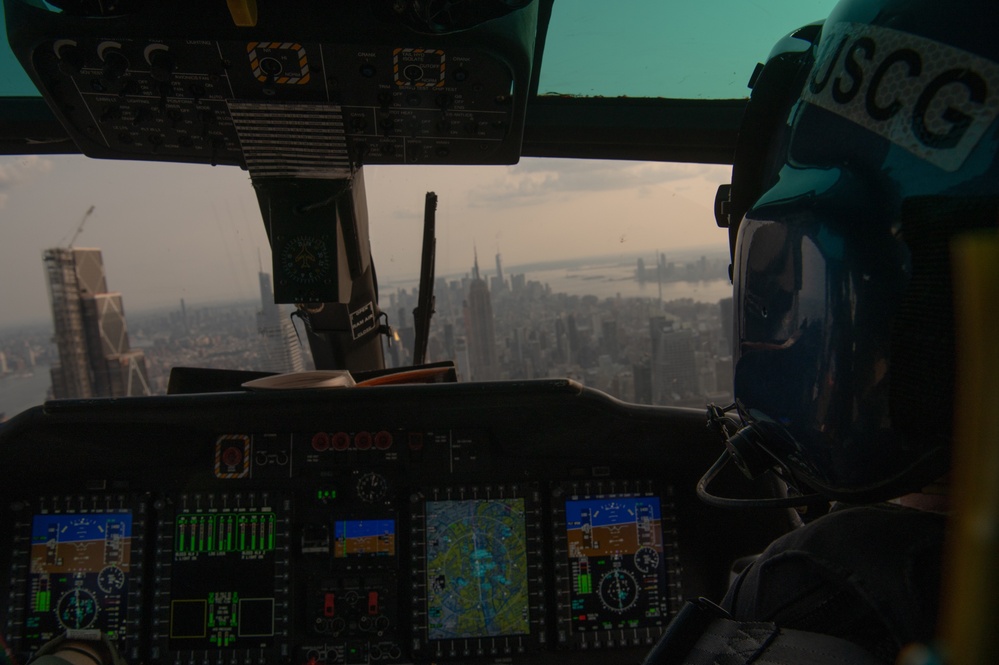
742,447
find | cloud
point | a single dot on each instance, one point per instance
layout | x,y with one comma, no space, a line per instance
537,181
20,172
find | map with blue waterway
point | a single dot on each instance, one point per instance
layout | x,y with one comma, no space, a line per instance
477,582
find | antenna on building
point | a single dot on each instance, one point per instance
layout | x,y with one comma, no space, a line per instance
79,228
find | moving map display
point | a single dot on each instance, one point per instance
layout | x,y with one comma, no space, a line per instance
79,573
476,563
616,562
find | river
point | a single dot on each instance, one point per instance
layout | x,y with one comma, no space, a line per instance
21,391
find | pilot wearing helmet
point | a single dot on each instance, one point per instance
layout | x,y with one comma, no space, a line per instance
869,144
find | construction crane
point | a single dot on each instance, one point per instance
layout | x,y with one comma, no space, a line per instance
79,229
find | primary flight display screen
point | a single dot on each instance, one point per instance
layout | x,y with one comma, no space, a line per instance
363,538
78,576
616,562
477,568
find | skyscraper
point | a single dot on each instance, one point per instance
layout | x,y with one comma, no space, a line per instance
674,364
95,359
480,328
281,347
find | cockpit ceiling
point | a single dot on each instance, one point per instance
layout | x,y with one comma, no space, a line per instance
590,79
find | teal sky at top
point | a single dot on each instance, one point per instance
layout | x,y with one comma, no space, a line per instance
685,49
13,81
701,49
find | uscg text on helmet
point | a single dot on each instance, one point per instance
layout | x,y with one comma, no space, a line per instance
934,100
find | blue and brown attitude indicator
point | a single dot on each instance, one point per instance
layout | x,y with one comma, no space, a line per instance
279,62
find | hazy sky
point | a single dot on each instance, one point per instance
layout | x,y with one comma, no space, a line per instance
195,232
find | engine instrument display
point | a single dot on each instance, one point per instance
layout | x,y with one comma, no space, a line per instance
78,575
223,591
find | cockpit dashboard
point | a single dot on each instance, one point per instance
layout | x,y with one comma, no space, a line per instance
521,522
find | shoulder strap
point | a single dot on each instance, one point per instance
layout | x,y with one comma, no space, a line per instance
703,634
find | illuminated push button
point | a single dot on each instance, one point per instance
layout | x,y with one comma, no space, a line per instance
341,441
362,440
329,606
383,440
320,441
232,456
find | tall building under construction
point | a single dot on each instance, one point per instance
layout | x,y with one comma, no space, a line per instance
95,359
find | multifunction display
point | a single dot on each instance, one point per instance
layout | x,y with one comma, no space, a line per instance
224,562
616,562
478,571
79,574
223,582
363,538
477,580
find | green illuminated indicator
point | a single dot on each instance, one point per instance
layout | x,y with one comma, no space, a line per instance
230,532
325,495
586,583
43,601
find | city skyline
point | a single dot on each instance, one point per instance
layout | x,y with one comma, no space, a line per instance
194,232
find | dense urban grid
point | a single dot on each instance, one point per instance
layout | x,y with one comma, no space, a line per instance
493,326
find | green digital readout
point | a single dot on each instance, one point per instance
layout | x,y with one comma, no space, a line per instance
225,532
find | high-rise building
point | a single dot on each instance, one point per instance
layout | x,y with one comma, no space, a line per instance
480,329
675,376
499,282
95,359
281,352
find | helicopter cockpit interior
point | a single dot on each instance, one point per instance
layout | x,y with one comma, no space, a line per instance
521,521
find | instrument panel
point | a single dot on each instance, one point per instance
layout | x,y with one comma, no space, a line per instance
311,90
452,523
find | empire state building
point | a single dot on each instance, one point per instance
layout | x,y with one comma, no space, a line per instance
480,329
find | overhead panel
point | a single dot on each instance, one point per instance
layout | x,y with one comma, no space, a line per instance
279,98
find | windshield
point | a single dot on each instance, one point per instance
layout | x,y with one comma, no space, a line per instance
612,273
